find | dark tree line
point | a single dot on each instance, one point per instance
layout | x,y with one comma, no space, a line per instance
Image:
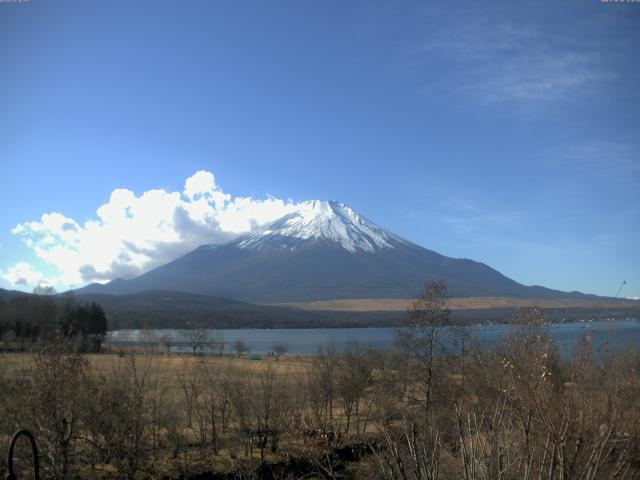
26,320
88,322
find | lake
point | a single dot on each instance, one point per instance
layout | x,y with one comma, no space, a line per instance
298,341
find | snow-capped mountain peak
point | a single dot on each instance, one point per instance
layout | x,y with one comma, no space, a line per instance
322,220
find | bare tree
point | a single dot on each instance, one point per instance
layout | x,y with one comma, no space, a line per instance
410,451
120,421
279,349
166,342
321,383
224,388
197,337
218,342
149,341
158,404
261,410
240,347
212,398
57,400
44,290
271,409
209,400
354,375
387,392
189,382
420,334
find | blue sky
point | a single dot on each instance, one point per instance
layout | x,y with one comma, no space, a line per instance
507,133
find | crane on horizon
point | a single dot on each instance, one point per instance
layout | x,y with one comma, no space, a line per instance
624,282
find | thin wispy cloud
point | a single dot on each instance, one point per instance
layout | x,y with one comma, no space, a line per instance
586,172
468,219
602,160
465,220
496,61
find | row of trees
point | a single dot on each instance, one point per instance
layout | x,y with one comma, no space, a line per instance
199,340
44,316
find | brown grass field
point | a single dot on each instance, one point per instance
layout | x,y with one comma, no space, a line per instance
463,303
477,402
172,365
168,370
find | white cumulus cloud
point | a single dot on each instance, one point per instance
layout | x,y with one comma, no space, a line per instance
132,234
22,275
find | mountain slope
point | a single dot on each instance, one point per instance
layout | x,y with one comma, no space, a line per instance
6,295
325,250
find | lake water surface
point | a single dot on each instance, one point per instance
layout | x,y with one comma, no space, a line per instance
299,341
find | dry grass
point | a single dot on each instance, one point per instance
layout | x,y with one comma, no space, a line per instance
171,365
168,371
463,303
485,378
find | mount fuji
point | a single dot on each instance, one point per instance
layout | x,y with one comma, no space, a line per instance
322,251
